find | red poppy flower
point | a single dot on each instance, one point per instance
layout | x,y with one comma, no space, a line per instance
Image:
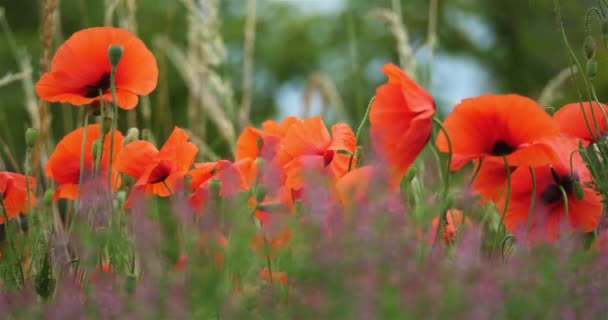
308,145
234,177
571,120
355,184
13,190
455,220
64,163
548,214
81,68
254,143
154,169
400,120
493,126
491,181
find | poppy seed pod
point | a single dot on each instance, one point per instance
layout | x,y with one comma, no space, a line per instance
115,54
589,46
215,187
96,149
106,125
591,68
31,135
48,197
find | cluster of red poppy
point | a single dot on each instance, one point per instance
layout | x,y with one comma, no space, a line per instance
527,159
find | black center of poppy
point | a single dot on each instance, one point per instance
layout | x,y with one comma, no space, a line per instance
552,193
103,84
501,148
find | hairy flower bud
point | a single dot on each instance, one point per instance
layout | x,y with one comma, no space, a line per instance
115,54
31,135
589,46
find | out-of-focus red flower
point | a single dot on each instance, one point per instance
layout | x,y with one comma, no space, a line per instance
548,213
455,221
13,190
308,146
571,120
234,177
64,163
492,126
81,69
400,120
156,170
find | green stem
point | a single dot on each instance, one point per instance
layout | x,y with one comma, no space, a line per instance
532,199
113,127
101,133
501,226
11,241
572,58
565,197
475,172
168,189
359,129
82,151
267,249
446,186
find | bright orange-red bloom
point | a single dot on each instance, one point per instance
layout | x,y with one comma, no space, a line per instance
571,120
493,126
355,184
400,120
234,177
13,190
455,220
308,145
64,163
81,68
549,213
254,143
154,169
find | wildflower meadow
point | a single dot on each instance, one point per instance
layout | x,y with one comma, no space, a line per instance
149,180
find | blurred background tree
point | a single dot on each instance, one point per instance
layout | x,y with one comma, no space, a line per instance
308,57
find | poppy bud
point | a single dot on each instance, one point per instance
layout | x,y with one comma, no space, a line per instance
578,190
114,54
589,47
187,181
132,135
106,125
31,135
121,196
48,197
130,283
411,173
96,148
260,193
591,68
215,187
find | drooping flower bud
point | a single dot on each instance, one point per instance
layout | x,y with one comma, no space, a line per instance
115,54
31,135
589,47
